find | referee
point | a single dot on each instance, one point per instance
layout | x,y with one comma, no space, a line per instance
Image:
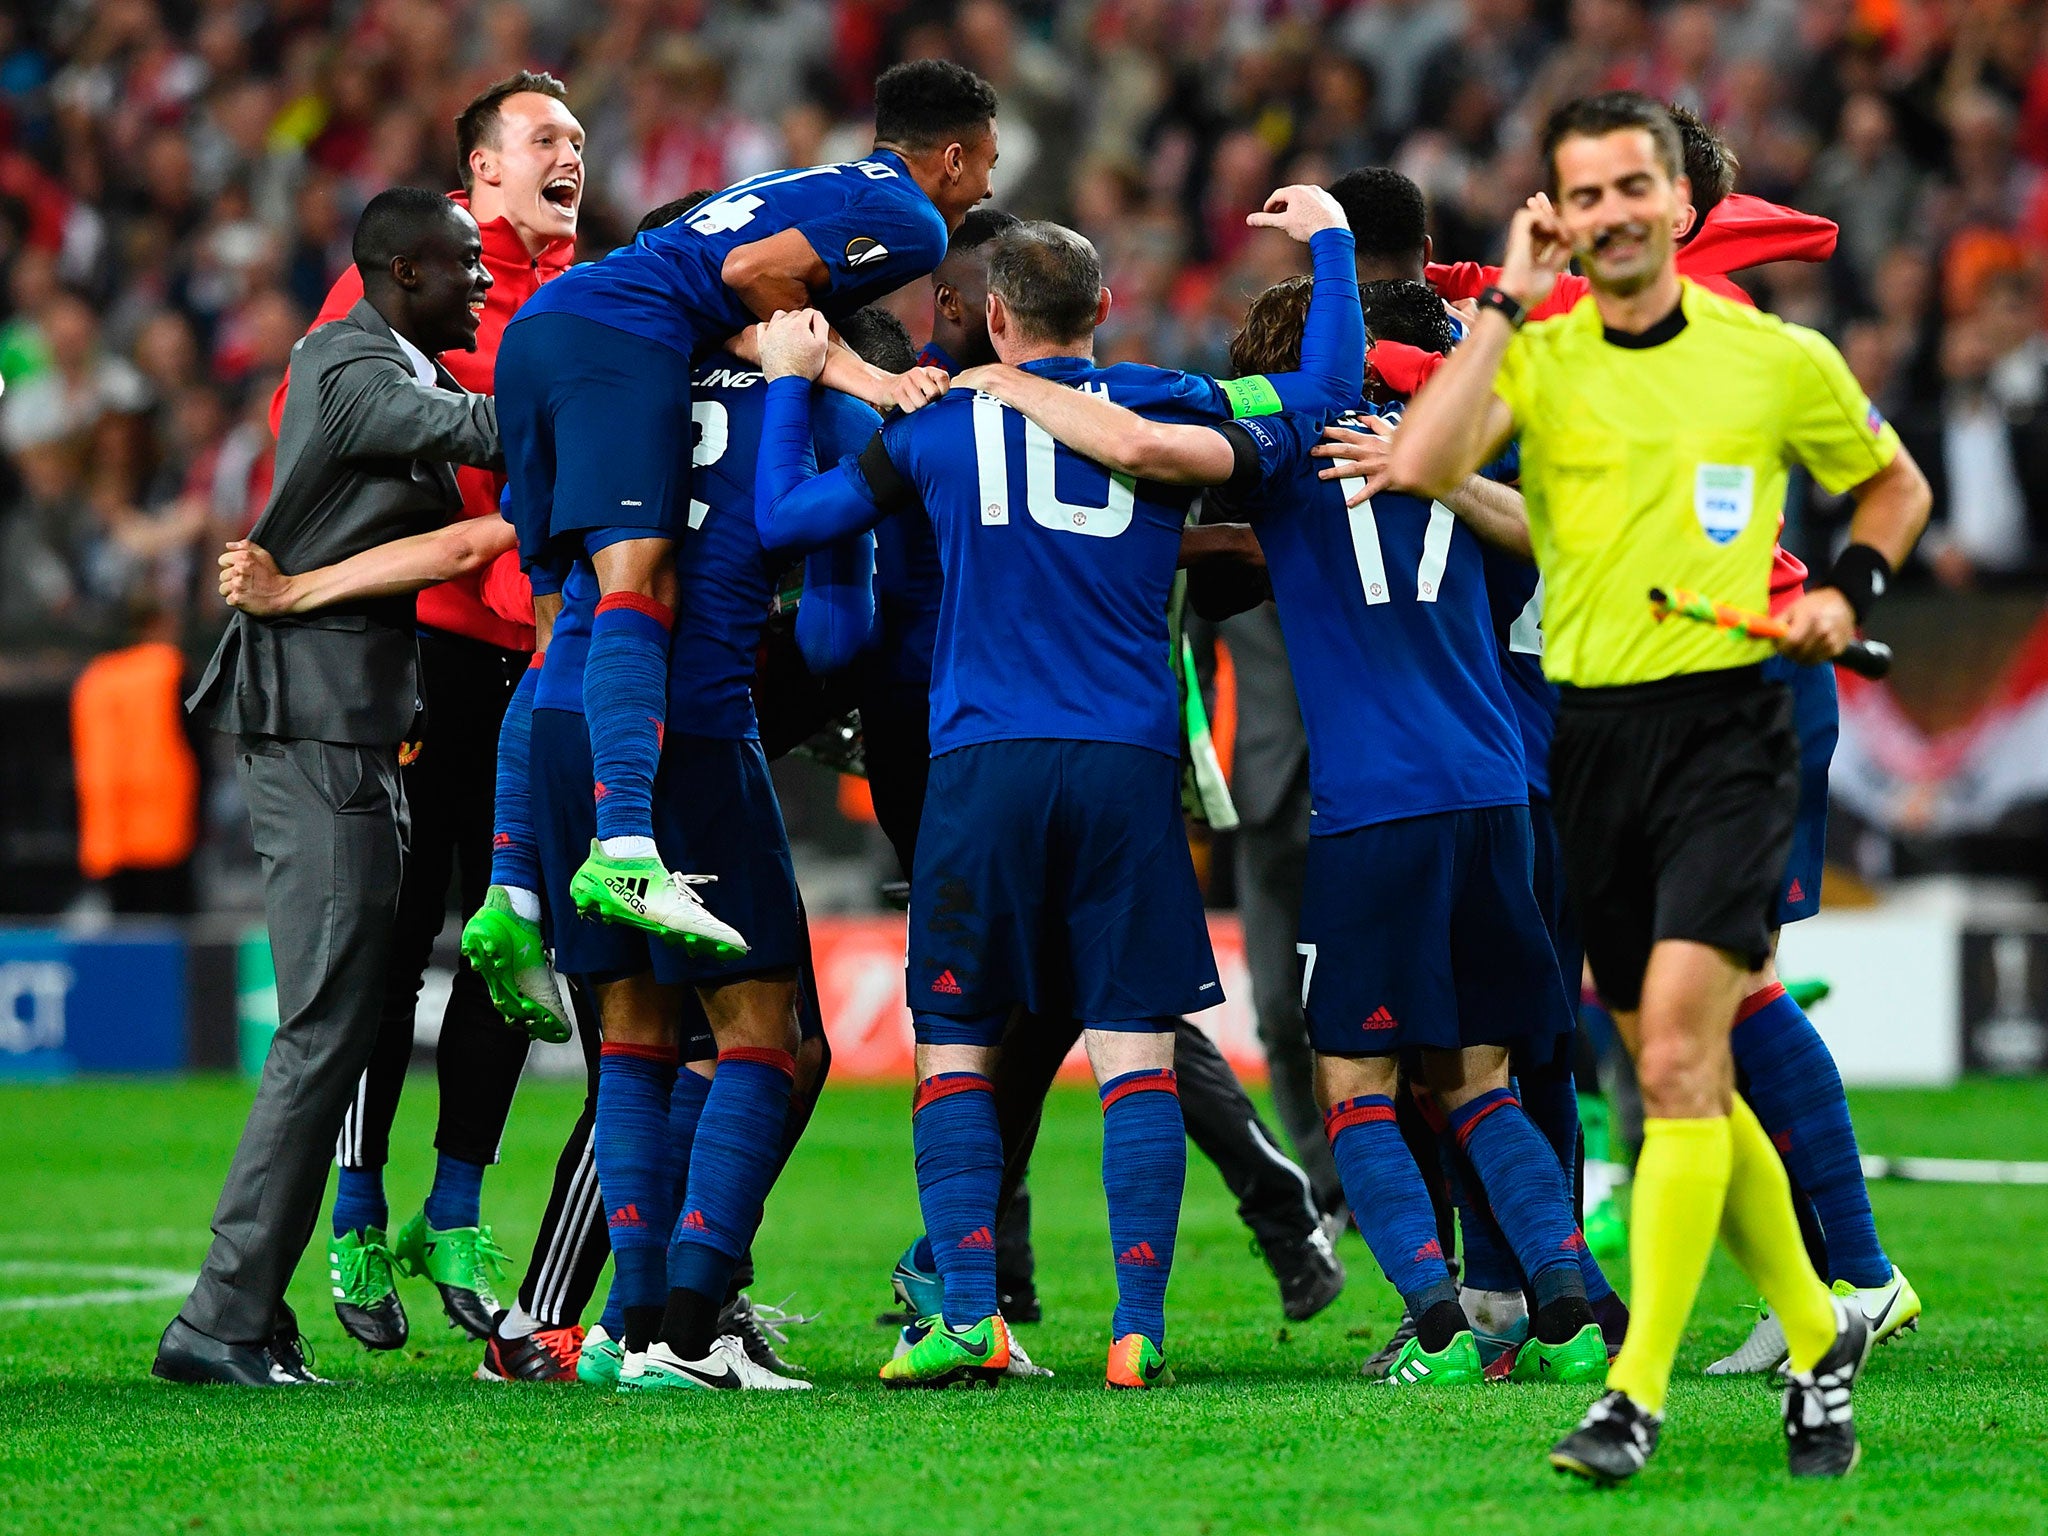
1657,425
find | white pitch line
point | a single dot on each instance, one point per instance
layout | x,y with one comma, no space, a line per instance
138,1284
1954,1170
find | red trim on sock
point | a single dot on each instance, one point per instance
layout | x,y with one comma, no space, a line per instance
538,658
665,1054
781,1061
661,613
1161,1081
1339,1118
1757,1002
932,1089
1465,1130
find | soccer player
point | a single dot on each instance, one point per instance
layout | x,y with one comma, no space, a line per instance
521,152
1656,426
594,380
1420,931
960,294
1052,817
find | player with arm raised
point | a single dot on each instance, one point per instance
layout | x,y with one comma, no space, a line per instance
594,387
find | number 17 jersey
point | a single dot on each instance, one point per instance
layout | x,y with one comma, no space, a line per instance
1389,633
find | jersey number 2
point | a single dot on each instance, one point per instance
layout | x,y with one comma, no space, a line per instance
714,435
1041,500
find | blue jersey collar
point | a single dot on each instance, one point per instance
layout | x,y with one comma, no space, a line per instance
1061,368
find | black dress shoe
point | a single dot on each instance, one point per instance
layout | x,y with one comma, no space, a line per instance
1311,1275
294,1356
186,1355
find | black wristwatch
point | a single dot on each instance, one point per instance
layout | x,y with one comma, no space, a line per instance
1509,308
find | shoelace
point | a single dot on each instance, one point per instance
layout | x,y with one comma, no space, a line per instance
563,1344
488,1256
680,883
356,1275
773,1318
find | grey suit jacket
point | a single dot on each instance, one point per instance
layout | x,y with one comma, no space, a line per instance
1271,744
363,457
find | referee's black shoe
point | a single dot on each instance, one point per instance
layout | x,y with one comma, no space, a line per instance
294,1356
1611,1443
1820,1424
191,1358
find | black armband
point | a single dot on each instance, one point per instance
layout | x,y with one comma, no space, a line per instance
1509,308
1862,575
886,483
1244,460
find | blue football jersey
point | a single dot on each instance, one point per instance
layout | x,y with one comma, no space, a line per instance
871,225
1052,622
725,581
908,587
1514,590
560,685
1385,614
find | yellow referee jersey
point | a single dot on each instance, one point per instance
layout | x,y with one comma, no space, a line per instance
1664,465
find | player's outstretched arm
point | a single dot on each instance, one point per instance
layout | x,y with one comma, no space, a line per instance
251,581
795,507
1361,455
1118,439
1333,338
848,372
778,273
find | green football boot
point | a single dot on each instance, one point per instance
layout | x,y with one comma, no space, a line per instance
1455,1365
598,1364
505,950
1606,1231
644,894
365,1294
462,1262
1581,1358
946,1357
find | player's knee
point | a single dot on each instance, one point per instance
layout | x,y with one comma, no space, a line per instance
1339,1078
813,1061
645,567
757,1013
1680,1080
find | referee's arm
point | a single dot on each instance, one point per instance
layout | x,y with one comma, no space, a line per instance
1891,513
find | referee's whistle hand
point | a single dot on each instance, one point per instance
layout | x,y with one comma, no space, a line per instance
1818,627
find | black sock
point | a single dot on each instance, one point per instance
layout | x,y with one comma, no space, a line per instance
1560,1320
643,1327
1612,1315
689,1325
1439,1324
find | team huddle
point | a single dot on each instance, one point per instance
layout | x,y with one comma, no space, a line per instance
989,550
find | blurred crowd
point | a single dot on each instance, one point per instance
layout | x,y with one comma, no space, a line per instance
178,179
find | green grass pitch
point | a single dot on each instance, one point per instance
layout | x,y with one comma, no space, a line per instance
107,1184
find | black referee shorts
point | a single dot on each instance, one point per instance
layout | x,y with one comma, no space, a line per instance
1675,803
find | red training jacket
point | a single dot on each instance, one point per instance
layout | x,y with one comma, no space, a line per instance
495,604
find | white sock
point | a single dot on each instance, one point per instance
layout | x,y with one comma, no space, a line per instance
628,847
518,1323
525,903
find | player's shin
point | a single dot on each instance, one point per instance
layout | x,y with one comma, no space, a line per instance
634,1086
1796,1092
1762,1235
515,856
959,1171
625,697
1144,1172
733,1161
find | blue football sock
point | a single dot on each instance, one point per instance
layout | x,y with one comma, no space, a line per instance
959,1174
1144,1171
1797,1094
625,700
922,1256
1388,1200
634,1173
515,849
359,1201
1550,1097
1525,1189
457,1196
1486,1262
685,1108
732,1166
613,1319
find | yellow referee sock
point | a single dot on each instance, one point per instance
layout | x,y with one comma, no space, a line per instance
1762,1235
1681,1180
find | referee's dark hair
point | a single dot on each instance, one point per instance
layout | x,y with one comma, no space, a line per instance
1710,165
1388,216
1594,117
879,338
397,222
927,103
1049,278
477,123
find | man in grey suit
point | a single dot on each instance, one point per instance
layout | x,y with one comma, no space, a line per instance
318,703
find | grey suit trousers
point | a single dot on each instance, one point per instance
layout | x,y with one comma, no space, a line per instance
1272,856
329,825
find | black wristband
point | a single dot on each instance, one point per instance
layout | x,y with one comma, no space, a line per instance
1862,575
1510,309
